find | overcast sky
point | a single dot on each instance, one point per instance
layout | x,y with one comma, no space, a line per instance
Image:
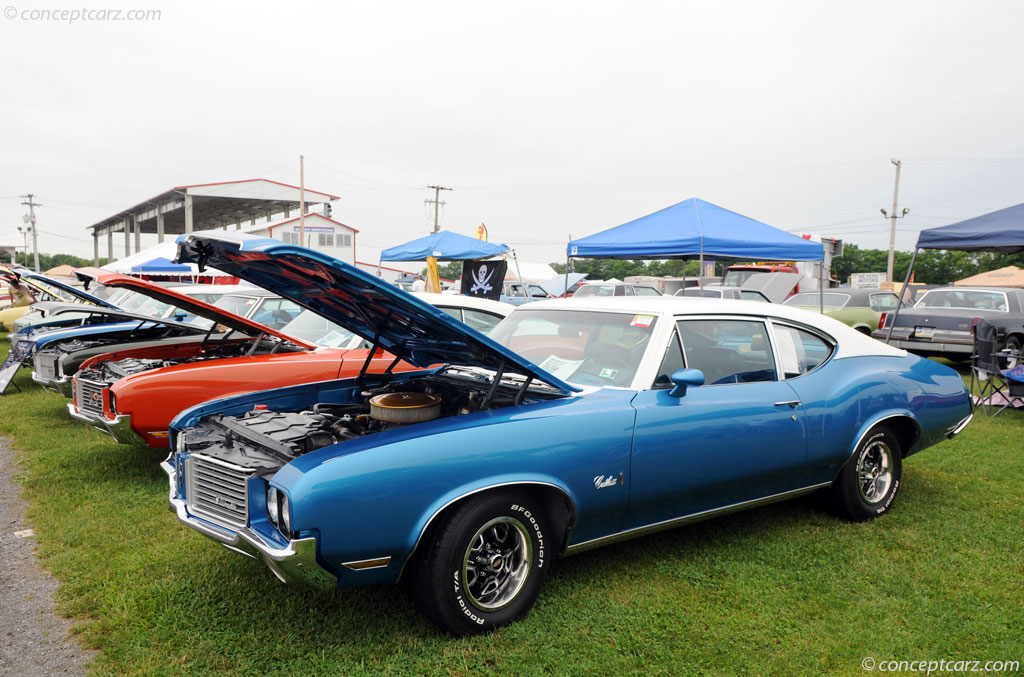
548,119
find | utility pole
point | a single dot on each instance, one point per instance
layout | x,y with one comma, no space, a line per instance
32,222
436,202
892,218
302,202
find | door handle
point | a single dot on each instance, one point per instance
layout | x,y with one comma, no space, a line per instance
793,404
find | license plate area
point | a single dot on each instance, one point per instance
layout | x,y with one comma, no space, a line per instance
924,332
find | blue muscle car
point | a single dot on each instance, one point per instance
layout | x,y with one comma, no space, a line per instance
577,423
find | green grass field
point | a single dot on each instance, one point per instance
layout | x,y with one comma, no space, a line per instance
787,589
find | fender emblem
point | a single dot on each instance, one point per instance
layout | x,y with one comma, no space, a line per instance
601,481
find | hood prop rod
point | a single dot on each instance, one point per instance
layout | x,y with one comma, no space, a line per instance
255,345
369,358
522,391
494,384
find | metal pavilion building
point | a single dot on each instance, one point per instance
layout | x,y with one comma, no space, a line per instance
206,206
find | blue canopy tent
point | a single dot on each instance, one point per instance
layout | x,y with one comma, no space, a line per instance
1000,231
161,266
443,246
691,229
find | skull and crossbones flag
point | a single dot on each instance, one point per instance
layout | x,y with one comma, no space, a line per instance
483,278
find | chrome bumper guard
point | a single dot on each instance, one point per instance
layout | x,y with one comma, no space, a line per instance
60,385
955,430
119,427
935,346
295,563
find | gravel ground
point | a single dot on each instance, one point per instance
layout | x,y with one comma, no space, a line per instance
33,639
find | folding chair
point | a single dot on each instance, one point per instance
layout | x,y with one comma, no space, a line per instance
995,388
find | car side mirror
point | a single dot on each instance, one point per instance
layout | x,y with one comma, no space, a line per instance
683,379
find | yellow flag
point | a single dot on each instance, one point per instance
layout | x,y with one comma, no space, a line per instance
433,276
481,232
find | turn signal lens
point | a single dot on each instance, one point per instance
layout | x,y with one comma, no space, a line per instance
882,319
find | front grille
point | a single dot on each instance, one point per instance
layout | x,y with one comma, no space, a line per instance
90,397
218,490
46,366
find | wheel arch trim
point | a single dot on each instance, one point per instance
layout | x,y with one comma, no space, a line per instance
869,425
463,493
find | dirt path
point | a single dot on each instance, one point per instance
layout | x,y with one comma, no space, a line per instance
33,639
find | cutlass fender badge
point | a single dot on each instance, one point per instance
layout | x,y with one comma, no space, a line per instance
602,481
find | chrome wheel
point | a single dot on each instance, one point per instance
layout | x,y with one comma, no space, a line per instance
875,471
497,563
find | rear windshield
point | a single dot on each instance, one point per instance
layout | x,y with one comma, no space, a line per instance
830,300
971,299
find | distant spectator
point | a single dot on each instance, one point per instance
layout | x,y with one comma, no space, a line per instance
418,284
21,295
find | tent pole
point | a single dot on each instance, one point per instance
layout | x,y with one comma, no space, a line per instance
821,286
565,285
899,299
519,274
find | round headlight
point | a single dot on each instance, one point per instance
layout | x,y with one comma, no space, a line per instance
272,511
286,514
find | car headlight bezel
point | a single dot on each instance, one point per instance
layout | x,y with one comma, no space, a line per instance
273,505
286,515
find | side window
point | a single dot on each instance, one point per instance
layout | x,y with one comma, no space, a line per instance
800,351
479,320
672,362
628,291
728,351
882,302
454,312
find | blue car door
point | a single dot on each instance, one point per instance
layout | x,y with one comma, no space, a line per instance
738,438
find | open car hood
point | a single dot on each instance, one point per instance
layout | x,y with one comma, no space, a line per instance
775,286
398,322
40,282
183,301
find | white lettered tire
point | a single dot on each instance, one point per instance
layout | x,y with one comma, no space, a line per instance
484,566
867,485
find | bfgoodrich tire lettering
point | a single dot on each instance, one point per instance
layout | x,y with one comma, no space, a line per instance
867,485
484,565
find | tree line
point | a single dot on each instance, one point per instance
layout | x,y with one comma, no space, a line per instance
933,266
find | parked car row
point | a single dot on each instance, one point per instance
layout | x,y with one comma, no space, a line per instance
378,435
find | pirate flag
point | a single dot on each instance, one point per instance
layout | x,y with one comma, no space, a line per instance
483,278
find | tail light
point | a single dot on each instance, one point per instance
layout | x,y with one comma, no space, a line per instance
974,325
882,319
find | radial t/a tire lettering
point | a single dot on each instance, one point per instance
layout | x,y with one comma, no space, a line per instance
867,485
484,566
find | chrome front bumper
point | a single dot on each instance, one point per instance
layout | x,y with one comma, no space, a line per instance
119,427
60,385
295,563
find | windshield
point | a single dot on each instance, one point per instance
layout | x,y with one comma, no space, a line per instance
586,348
830,300
596,290
736,278
132,301
971,299
314,328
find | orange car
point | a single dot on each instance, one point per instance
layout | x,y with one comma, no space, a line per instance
139,391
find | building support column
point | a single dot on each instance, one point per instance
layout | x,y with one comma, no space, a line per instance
127,237
188,214
159,227
95,248
238,224
110,245
137,227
